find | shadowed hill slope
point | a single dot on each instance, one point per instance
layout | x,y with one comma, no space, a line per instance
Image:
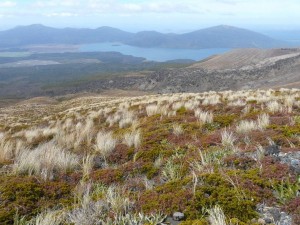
239,69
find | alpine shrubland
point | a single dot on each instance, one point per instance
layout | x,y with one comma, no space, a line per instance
214,156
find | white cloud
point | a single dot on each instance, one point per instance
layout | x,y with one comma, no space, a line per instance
214,7
159,11
56,3
61,14
69,3
7,4
132,7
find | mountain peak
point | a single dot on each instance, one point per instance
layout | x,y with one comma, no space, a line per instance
221,36
32,26
224,27
227,26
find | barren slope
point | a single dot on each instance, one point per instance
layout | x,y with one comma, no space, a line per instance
239,58
238,69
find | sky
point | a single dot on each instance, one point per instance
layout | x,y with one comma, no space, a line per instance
161,15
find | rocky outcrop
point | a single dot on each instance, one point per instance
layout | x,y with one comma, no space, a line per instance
273,215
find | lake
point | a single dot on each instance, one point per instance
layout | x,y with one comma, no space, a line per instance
154,54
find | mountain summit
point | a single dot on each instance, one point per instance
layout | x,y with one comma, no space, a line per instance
222,36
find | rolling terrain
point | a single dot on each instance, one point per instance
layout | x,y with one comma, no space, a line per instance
70,73
243,58
187,158
238,69
102,138
213,37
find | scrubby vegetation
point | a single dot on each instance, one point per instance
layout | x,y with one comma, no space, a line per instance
215,156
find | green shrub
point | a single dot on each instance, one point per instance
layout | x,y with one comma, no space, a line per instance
27,196
224,120
195,222
149,170
215,190
167,198
181,111
108,176
287,190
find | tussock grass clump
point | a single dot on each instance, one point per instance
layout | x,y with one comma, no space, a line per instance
44,161
263,121
133,138
172,170
177,105
105,144
85,133
152,109
112,119
274,106
87,165
90,211
205,164
237,103
228,139
31,134
207,161
117,201
212,100
49,217
203,117
165,110
289,102
7,148
177,130
192,104
72,134
216,216
127,119
86,211
246,126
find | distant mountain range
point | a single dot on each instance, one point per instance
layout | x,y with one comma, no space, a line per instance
213,37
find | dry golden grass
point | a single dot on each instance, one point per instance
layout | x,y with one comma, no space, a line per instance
138,138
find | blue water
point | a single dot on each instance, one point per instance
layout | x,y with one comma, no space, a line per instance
153,54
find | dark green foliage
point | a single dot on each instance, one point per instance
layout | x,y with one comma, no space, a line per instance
236,202
287,190
28,196
195,222
224,120
72,73
181,111
108,176
149,155
149,170
287,131
210,126
243,163
169,197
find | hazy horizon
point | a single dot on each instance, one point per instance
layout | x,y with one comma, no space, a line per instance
163,16
177,31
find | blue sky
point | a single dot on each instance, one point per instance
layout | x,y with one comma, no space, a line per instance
161,15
